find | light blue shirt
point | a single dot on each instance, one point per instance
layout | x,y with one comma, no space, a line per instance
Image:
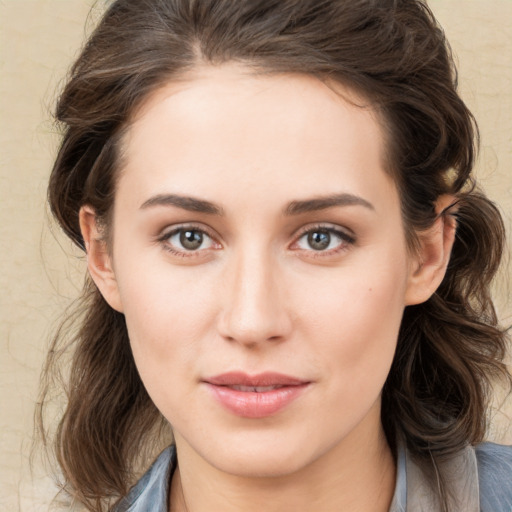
479,480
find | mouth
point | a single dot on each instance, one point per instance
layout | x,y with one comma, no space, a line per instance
256,396
255,389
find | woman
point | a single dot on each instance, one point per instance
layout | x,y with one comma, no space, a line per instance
289,262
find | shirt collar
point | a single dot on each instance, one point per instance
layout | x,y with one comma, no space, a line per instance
413,490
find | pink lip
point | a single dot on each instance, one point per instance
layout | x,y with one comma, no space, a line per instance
254,403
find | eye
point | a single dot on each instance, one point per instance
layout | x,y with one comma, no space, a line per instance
324,239
187,240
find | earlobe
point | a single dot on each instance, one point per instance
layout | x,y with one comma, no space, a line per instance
99,261
428,266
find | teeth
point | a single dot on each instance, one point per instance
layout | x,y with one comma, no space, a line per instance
255,389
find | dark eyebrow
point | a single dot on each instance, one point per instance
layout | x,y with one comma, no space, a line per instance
187,203
322,203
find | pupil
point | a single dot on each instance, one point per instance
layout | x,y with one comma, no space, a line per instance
191,239
319,240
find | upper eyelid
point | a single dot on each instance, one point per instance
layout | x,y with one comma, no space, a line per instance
175,228
334,228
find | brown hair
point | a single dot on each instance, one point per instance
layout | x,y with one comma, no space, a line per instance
392,52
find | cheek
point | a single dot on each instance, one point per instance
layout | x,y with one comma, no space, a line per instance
167,312
167,318
355,323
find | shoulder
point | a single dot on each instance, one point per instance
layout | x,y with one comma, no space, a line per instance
494,463
151,491
478,479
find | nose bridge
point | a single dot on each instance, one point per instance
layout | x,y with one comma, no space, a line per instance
253,307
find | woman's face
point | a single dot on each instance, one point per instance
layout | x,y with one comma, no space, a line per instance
259,257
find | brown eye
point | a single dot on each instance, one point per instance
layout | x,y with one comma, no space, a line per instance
319,240
187,240
191,239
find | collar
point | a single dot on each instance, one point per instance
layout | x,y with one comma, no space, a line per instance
413,490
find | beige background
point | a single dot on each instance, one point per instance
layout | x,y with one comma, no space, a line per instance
38,40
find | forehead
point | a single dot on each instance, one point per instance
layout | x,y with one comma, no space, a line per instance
256,132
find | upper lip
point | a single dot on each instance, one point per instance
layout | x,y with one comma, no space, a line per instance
260,379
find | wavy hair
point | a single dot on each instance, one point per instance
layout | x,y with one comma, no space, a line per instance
394,54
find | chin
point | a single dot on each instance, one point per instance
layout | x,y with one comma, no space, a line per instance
263,464
260,454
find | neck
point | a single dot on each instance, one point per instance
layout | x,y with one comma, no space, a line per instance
358,475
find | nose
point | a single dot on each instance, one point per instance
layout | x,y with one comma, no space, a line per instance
254,306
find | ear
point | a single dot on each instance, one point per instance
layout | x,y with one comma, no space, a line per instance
428,265
99,260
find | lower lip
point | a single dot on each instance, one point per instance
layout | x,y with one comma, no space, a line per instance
250,404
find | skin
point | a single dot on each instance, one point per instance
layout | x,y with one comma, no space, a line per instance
256,296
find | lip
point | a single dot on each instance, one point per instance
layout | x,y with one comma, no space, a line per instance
255,403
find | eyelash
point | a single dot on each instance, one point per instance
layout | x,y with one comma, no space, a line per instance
346,240
167,235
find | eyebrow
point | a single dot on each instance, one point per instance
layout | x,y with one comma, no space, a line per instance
185,202
322,203
193,204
